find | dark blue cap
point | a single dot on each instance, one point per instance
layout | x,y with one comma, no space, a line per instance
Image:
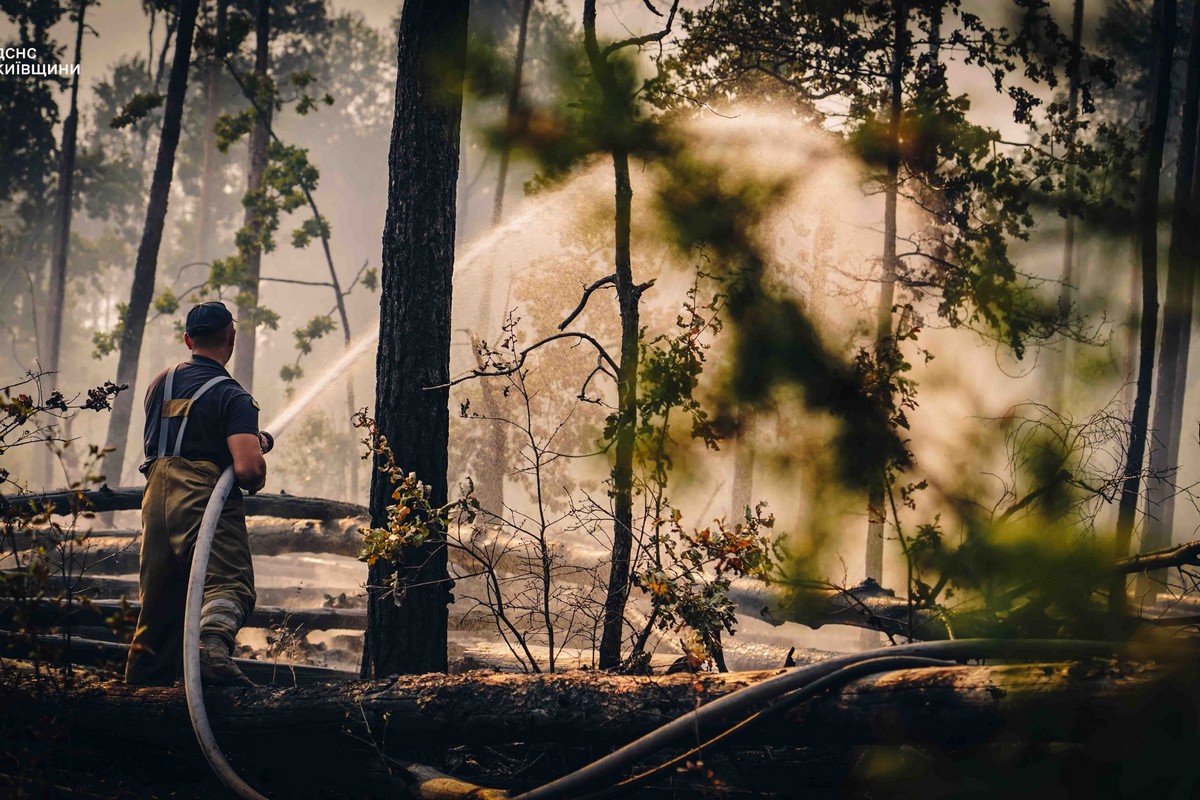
207,318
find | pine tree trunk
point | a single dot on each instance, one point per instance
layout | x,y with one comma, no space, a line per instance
1177,319
628,297
876,514
57,289
1148,189
617,593
510,119
406,630
260,137
142,290
1067,290
206,219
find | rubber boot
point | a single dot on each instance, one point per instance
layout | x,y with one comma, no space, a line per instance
217,667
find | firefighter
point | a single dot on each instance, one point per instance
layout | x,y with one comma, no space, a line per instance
199,421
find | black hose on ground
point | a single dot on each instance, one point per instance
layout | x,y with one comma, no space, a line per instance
835,681
728,710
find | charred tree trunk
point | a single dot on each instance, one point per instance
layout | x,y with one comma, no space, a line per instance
1067,290
206,222
514,107
406,629
1148,188
56,294
146,265
622,473
260,138
876,513
57,288
1177,319
628,296
952,705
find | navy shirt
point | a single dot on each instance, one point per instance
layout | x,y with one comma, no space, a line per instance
222,411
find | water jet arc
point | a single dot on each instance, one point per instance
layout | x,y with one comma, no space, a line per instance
200,555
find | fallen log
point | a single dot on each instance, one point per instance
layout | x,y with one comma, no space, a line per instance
1182,555
108,588
91,652
952,706
867,605
130,499
269,536
873,607
48,613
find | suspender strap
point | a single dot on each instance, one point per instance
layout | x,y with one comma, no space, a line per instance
183,425
165,422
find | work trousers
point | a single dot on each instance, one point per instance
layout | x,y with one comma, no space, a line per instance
177,491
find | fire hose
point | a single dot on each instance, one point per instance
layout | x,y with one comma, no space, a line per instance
725,715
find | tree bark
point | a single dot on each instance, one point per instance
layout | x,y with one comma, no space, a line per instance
1177,319
260,138
876,513
1148,188
57,288
145,267
510,118
206,222
617,592
63,211
406,629
945,705
1067,289
130,499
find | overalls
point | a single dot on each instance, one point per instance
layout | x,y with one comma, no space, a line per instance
177,491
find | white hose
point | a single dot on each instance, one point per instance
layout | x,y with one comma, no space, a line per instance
195,591
191,640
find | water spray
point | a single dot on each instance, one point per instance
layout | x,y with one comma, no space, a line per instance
200,555
216,502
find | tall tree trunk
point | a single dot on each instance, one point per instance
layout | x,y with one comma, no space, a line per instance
406,629
1177,317
876,513
260,137
145,266
1067,290
57,289
622,472
514,106
1148,189
206,219
628,296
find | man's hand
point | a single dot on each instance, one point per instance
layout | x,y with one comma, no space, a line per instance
249,466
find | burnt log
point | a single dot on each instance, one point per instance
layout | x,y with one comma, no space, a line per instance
91,652
49,613
130,499
108,588
873,607
951,706
867,605
269,536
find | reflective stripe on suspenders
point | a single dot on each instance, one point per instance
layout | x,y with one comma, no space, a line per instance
168,397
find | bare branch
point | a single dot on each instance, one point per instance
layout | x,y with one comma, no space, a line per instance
520,362
587,293
638,41
1182,555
